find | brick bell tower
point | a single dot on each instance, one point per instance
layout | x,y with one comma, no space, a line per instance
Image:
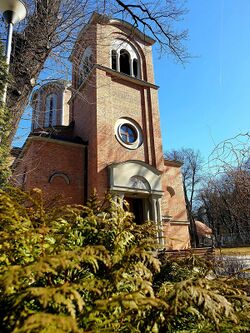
115,108
103,132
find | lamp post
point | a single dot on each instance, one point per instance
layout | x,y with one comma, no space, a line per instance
13,11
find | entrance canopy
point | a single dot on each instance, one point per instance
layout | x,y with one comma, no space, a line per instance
135,176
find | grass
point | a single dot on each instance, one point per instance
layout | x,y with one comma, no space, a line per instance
242,251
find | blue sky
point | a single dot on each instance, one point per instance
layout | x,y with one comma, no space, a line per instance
208,101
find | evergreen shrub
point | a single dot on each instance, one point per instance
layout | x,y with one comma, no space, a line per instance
92,269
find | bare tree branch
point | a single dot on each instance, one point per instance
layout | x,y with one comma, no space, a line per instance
53,26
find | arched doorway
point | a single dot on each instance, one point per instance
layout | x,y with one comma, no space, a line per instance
136,206
140,185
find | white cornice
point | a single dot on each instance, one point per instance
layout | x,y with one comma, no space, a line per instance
114,74
103,19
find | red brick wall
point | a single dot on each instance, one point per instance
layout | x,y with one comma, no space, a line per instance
42,159
95,107
84,104
116,99
177,236
173,205
104,99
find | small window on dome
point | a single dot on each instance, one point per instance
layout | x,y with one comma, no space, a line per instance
51,110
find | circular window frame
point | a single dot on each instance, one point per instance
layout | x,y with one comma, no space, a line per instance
133,130
135,127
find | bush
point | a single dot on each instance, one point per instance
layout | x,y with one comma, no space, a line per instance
92,269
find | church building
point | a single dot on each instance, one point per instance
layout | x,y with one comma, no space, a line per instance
102,131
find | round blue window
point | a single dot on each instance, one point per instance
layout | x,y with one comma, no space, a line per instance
128,134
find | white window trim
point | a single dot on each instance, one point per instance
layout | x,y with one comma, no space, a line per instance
81,75
117,46
135,126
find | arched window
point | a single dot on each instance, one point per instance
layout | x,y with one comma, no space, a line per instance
125,58
124,62
140,183
51,108
59,175
85,65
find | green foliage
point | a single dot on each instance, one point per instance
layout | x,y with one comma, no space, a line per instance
199,300
5,123
92,269
4,77
4,145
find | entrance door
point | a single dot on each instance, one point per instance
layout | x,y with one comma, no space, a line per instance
136,206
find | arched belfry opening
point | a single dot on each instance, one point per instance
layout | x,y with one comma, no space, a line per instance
125,62
125,58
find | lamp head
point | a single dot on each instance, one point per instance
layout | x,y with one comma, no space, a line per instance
13,11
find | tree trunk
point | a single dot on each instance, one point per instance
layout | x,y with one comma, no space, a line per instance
30,50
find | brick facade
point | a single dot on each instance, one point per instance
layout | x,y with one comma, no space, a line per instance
47,164
107,97
58,165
